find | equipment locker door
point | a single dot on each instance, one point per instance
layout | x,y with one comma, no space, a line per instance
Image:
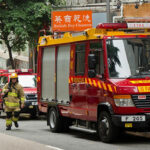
63,66
48,74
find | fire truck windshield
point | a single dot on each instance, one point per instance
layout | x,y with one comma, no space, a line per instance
128,58
27,81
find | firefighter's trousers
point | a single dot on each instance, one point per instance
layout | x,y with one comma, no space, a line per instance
12,116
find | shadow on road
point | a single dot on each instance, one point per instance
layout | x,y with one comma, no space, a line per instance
125,138
79,133
134,138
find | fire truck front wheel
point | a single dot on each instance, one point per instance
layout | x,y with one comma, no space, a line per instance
55,121
107,131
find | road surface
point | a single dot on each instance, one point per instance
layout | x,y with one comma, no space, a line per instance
37,131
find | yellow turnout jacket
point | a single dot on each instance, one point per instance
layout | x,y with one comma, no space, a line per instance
14,97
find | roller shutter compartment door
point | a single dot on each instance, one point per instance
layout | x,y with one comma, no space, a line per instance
63,65
48,73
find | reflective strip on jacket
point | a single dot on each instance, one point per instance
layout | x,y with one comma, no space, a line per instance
13,94
9,104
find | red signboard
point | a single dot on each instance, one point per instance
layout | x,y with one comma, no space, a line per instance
71,20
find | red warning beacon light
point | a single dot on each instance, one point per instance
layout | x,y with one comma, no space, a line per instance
114,26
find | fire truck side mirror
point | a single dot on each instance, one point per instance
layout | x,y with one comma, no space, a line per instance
1,86
91,61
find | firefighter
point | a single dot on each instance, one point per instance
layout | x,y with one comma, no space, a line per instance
13,97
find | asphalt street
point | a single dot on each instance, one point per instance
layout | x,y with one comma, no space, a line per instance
37,133
8,142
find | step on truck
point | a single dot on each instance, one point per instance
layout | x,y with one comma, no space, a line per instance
99,79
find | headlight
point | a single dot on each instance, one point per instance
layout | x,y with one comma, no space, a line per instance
123,101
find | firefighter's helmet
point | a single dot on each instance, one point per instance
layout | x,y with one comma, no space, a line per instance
13,76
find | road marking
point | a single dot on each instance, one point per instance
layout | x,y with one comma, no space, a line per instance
54,148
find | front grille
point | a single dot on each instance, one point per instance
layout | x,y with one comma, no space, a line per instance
141,103
31,96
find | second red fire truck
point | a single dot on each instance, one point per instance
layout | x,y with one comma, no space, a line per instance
99,79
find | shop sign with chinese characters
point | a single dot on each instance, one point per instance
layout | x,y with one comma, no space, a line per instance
63,21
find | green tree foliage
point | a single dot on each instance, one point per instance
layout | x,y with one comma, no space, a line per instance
21,20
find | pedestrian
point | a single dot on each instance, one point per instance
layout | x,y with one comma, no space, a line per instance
13,97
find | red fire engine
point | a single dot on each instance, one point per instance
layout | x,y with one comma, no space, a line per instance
99,79
27,79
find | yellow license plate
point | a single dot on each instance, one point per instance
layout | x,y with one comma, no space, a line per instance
128,125
31,107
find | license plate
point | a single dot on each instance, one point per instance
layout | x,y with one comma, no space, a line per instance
136,118
30,106
34,103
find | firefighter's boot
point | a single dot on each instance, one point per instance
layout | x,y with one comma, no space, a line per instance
15,118
16,124
8,127
8,121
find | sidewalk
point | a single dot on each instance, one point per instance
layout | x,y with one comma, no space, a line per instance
13,143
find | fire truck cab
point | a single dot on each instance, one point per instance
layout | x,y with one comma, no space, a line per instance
27,79
99,79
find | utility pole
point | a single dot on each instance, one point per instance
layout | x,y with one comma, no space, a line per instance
108,10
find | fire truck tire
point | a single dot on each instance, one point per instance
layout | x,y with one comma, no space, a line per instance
55,120
107,131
